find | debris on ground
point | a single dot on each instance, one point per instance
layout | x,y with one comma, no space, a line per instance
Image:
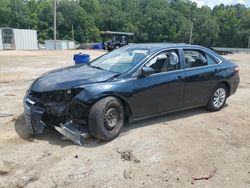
204,177
27,180
2,173
9,94
13,119
127,174
127,155
5,82
5,115
30,80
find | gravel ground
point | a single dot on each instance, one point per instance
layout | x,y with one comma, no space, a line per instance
165,151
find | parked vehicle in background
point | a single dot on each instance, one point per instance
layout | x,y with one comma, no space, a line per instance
129,83
113,40
221,51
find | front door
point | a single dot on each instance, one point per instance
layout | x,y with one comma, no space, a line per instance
162,91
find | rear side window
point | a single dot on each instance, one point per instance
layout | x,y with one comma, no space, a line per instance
197,58
210,61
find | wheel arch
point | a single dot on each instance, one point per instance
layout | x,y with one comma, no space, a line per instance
227,86
127,109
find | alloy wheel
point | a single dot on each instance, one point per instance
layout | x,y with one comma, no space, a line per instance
219,97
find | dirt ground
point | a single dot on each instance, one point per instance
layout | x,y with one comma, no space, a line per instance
165,151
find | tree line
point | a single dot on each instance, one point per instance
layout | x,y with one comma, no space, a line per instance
150,20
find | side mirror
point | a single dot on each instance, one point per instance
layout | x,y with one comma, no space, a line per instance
146,71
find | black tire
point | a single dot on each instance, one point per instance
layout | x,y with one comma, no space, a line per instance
211,102
104,113
117,46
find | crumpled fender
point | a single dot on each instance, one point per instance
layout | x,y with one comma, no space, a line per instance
94,92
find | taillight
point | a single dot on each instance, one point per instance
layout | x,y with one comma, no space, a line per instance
237,70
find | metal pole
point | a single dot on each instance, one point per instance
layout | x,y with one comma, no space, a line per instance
248,46
73,37
191,32
54,24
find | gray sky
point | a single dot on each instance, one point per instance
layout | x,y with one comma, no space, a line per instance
212,3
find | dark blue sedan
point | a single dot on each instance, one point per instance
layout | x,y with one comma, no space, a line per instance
132,82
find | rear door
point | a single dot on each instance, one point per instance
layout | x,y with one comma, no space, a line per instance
201,76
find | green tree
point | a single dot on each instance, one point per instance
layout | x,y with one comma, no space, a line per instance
150,20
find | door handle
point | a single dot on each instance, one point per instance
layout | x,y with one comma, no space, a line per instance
179,77
215,70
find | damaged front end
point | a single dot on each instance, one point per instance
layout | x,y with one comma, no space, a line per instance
59,109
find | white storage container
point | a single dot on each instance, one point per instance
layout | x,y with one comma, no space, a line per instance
60,44
71,44
25,39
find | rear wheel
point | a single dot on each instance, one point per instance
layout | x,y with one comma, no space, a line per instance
106,118
218,98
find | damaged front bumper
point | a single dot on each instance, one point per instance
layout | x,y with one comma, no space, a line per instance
70,131
35,125
33,115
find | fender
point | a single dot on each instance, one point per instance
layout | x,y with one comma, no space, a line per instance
94,92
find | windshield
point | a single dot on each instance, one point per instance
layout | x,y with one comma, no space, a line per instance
120,60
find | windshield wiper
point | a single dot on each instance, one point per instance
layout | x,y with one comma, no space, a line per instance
100,68
96,67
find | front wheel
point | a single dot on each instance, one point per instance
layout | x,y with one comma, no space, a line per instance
218,98
106,118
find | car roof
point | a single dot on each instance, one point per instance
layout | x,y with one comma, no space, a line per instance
160,46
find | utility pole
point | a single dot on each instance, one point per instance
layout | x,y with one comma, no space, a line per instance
191,32
248,46
55,24
73,37
248,43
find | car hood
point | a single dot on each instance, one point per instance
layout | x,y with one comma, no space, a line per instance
70,77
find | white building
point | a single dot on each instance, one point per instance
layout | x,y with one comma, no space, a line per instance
18,39
60,44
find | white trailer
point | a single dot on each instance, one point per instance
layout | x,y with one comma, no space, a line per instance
19,39
25,39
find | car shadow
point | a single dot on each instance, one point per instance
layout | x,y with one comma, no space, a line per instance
55,138
49,134
164,118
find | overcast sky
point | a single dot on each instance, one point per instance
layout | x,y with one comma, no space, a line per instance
212,3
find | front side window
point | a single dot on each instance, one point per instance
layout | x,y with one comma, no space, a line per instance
120,60
165,61
197,58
